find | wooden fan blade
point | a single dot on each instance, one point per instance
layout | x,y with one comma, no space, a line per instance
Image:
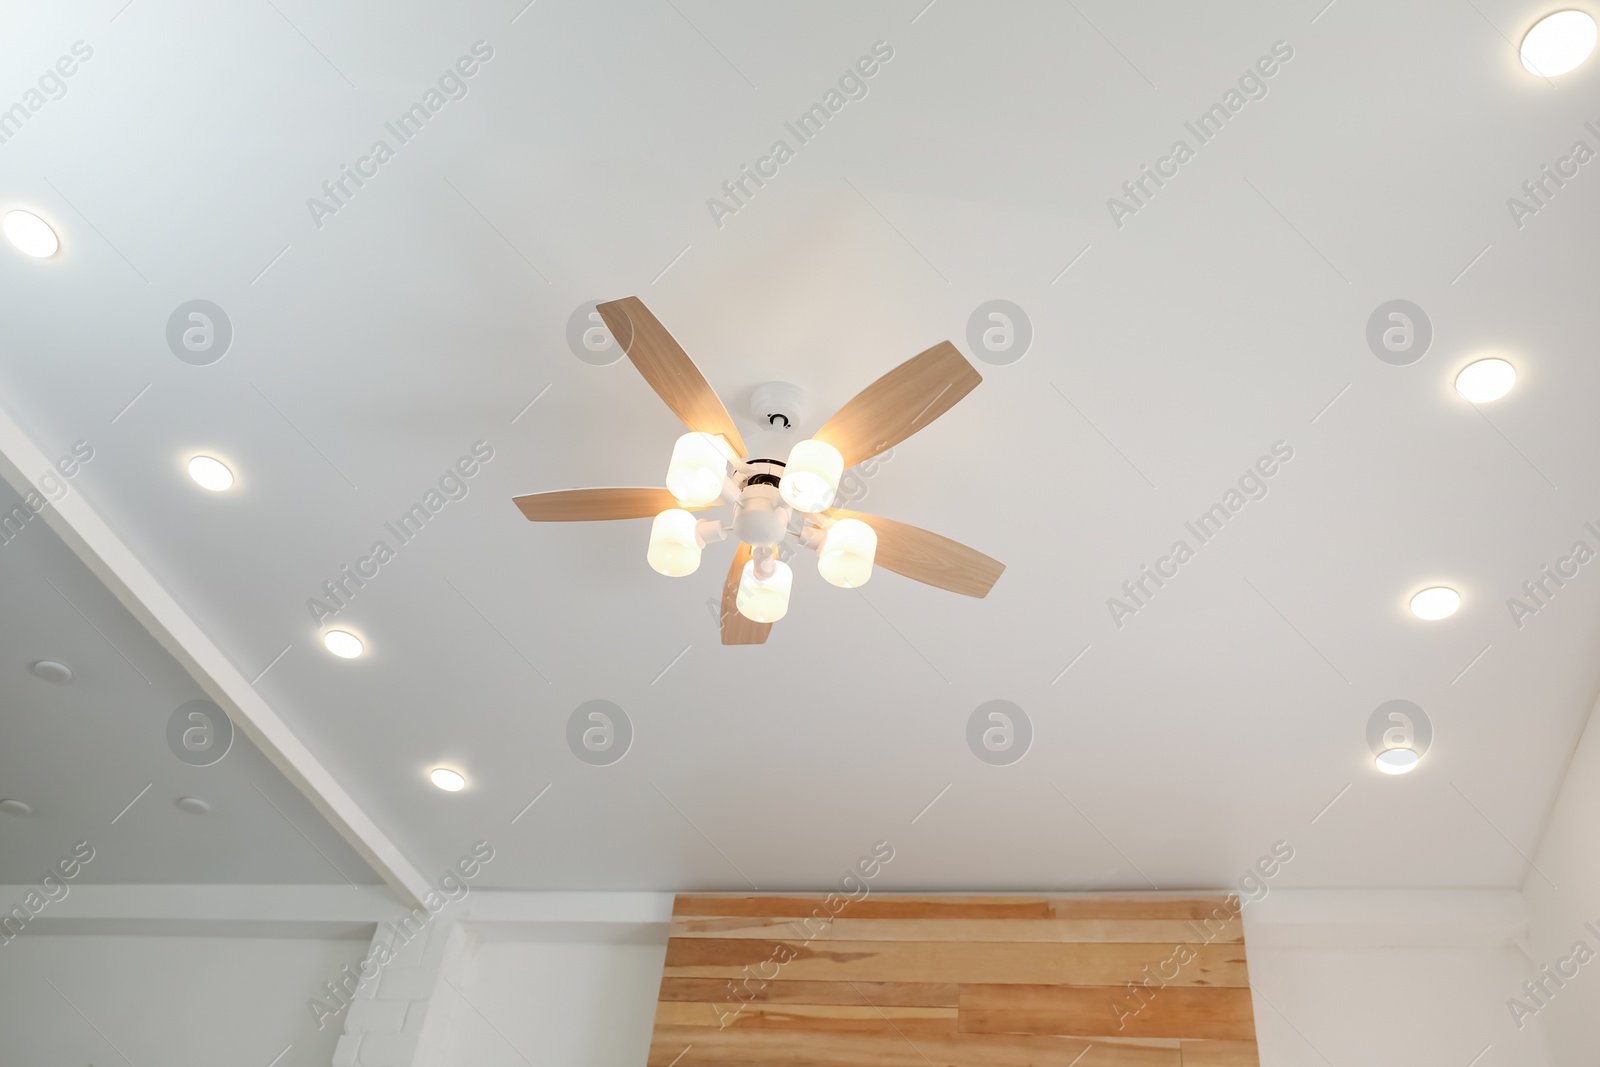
668,368
584,505
928,558
900,403
736,629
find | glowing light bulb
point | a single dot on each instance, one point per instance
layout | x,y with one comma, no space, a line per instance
845,559
811,477
764,599
674,550
698,466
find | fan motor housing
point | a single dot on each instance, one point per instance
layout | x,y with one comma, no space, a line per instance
779,406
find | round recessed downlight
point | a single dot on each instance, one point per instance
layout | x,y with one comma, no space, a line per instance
1558,43
31,234
1486,380
51,671
210,473
1397,760
342,644
1440,602
448,780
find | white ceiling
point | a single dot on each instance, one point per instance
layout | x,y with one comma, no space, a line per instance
90,757
1223,317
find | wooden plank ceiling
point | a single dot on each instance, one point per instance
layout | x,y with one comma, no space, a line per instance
947,981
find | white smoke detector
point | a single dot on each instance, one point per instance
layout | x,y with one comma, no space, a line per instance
51,671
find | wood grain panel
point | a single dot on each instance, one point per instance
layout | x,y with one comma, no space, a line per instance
732,1047
796,926
864,1017
1220,1054
1108,1011
949,961
1143,980
1155,931
883,994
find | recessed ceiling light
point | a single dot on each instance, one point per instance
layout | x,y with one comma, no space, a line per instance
210,473
51,671
31,234
1486,380
15,807
448,780
344,645
1397,760
1440,602
1558,43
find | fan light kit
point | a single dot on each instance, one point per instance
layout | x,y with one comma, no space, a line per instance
772,500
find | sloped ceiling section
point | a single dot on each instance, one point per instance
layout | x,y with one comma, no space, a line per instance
368,335
98,762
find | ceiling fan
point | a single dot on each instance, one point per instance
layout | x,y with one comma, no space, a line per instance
774,499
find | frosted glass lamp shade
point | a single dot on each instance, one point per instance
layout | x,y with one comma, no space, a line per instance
674,550
811,477
699,465
845,559
764,599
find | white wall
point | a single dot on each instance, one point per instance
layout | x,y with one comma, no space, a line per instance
1389,1008
165,1001
582,1000
1569,858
